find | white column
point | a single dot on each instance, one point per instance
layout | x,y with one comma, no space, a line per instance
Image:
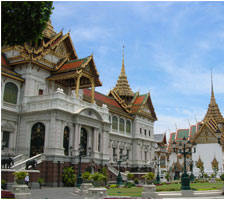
95,140
77,136
71,136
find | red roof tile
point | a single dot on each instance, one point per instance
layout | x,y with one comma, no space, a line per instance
139,100
3,60
71,65
103,98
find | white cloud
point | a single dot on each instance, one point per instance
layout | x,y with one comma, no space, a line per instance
88,33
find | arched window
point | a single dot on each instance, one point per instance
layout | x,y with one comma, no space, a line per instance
122,124
99,142
10,93
115,123
37,139
83,140
66,140
128,126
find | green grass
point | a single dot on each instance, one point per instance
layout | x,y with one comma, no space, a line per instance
131,192
136,191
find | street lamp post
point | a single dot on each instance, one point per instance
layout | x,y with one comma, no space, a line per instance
122,158
79,177
184,148
192,177
157,163
81,154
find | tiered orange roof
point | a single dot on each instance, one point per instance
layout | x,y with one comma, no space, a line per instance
7,70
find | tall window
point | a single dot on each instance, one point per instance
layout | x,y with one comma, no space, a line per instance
145,132
128,126
99,142
114,151
10,93
149,133
121,153
5,139
121,125
37,139
66,140
140,130
115,123
83,140
128,152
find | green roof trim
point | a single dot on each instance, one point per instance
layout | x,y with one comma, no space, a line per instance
182,133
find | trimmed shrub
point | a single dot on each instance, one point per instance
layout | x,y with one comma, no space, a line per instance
136,180
69,176
86,175
130,176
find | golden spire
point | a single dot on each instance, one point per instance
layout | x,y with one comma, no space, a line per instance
122,86
213,109
49,30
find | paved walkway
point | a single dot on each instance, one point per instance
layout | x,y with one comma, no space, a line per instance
54,193
67,193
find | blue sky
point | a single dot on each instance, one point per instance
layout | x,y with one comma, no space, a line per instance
170,48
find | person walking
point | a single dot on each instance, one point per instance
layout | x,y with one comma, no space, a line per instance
27,179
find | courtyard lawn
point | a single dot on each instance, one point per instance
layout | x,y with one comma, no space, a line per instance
136,191
131,192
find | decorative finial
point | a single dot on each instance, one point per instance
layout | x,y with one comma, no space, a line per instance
212,93
123,67
69,30
175,126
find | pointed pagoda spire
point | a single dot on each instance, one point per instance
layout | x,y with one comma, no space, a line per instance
122,86
49,31
213,109
212,100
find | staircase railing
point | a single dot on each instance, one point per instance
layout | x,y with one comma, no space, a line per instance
17,159
116,172
22,165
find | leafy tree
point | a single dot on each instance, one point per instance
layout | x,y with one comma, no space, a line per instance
24,21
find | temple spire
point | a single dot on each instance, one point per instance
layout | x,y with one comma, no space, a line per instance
123,67
213,109
122,86
212,100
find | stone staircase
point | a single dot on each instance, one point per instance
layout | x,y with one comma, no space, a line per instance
116,172
20,162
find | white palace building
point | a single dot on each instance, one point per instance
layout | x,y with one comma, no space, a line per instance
50,108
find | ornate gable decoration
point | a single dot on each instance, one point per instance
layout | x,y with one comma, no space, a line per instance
48,53
199,163
205,136
215,163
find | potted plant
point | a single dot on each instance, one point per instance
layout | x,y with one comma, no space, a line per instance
97,179
3,184
40,181
149,177
86,175
20,176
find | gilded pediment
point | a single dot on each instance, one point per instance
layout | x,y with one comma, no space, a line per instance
206,136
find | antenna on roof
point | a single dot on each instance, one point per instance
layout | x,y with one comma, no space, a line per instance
196,119
188,122
62,29
175,126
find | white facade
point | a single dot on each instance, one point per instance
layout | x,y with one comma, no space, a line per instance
207,152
